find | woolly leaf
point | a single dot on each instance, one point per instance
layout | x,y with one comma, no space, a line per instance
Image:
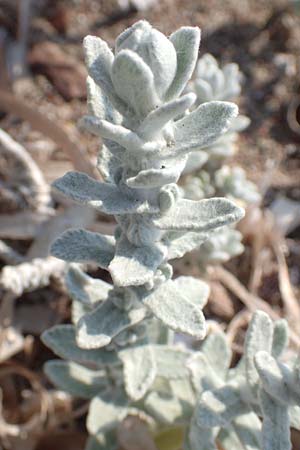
218,353
98,103
248,429
104,197
170,361
75,379
221,406
203,126
107,411
99,60
202,374
84,246
153,178
62,341
259,337
175,310
139,370
134,82
278,379
98,328
179,243
186,41
165,409
202,215
195,290
132,265
229,440
276,427
200,438
86,289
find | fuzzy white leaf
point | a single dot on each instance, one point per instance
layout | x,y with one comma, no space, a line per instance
248,429
104,197
62,341
176,311
75,379
180,243
84,246
202,215
139,370
203,126
86,289
218,353
170,361
280,337
203,376
196,291
132,265
276,427
186,41
98,328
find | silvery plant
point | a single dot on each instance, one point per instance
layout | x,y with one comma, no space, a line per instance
208,172
119,351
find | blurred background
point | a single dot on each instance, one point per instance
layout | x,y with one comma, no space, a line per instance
42,96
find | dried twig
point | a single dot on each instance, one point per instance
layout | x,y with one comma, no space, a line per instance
9,255
23,225
28,276
26,172
9,103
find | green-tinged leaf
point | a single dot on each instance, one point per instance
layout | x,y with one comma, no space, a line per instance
170,361
248,429
86,289
164,408
62,341
84,246
134,82
104,197
203,126
202,215
278,379
175,310
276,426
107,411
221,406
134,266
139,370
170,438
259,337
280,337
76,379
186,41
98,328
218,353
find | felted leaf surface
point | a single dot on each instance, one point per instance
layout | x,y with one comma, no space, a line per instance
276,427
62,340
104,197
218,353
203,126
179,243
98,103
75,379
132,265
175,310
107,411
84,246
99,59
221,406
248,429
200,438
202,215
229,440
278,379
98,328
195,290
170,361
86,289
259,337
134,82
186,41
165,409
203,376
139,370
153,178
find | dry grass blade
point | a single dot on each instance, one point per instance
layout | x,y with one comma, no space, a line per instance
9,103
